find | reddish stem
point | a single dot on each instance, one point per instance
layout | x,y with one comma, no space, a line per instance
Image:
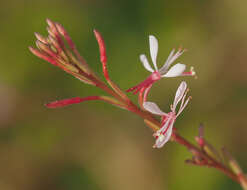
215,164
66,102
77,100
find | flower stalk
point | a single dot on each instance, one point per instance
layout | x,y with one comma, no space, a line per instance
59,50
210,161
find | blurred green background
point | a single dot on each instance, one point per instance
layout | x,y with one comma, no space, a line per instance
94,146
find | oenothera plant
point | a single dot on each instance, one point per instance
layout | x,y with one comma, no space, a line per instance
59,50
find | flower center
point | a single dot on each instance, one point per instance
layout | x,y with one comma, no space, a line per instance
161,137
155,76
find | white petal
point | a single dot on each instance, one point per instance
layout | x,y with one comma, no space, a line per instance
153,43
176,70
171,58
179,94
165,67
174,57
153,108
163,139
145,63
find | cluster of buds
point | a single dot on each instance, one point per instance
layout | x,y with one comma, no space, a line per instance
59,50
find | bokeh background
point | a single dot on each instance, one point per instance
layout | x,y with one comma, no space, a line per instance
94,146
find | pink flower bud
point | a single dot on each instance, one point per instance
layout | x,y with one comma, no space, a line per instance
102,48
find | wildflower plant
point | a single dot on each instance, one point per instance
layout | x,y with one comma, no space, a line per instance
59,50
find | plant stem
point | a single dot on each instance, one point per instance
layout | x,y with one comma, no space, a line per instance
155,125
177,138
217,165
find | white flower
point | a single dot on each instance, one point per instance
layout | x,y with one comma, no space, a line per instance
176,70
168,119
